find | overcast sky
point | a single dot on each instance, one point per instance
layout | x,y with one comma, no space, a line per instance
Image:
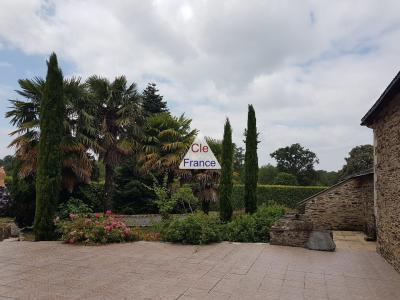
311,69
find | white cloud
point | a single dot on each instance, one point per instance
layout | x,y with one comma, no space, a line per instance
311,68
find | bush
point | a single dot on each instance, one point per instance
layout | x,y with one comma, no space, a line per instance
204,229
288,196
184,198
241,229
91,194
194,229
23,196
73,206
164,203
253,228
97,229
264,218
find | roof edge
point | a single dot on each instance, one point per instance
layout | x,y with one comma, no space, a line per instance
387,93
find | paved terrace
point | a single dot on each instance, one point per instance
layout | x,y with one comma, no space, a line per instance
151,270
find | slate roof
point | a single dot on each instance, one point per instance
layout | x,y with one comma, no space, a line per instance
392,89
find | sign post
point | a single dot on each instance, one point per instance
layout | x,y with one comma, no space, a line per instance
199,157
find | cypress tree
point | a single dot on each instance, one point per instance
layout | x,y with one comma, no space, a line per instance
152,101
48,180
251,163
225,185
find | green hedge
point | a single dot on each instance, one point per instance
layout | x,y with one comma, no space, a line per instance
288,196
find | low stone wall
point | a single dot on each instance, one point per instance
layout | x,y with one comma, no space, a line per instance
296,231
140,220
348,205
291,230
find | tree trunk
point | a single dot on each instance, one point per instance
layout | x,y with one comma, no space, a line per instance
108,187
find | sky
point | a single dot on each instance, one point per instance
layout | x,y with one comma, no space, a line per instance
312,69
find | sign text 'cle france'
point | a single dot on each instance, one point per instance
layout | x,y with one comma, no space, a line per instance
199,157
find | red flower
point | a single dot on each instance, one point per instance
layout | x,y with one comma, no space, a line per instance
108,212
97,215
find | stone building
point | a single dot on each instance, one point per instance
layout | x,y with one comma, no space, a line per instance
347,205
384,119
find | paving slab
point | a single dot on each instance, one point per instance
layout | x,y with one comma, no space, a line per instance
154,270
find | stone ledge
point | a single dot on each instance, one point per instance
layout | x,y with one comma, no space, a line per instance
296,230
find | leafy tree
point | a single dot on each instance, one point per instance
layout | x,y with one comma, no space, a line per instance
7,163
251,163
297,161
267,174
360,159
48,181
117,114
226,185
283,178
152,101
327,178
166,140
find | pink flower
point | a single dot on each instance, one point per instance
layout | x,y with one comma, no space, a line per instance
108,212
127,231
97,215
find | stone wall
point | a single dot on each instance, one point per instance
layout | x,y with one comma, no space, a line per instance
291,230
345,206
387,187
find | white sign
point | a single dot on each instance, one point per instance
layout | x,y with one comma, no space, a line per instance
199,157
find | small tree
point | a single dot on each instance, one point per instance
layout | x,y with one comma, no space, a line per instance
152,101
48,181
226,186
360,159
251,163
267,174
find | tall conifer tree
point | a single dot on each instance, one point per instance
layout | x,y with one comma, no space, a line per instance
226,185
48,180
251,163
152,101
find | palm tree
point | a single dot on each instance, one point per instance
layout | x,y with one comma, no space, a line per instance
206,180
118,117
78,124
165,142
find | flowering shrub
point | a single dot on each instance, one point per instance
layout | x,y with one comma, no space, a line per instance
97,229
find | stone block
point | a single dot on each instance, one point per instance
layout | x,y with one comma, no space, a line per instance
321,241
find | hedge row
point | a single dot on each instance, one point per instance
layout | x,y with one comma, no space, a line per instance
288,196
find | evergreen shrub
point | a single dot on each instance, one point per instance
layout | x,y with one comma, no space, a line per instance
194,229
